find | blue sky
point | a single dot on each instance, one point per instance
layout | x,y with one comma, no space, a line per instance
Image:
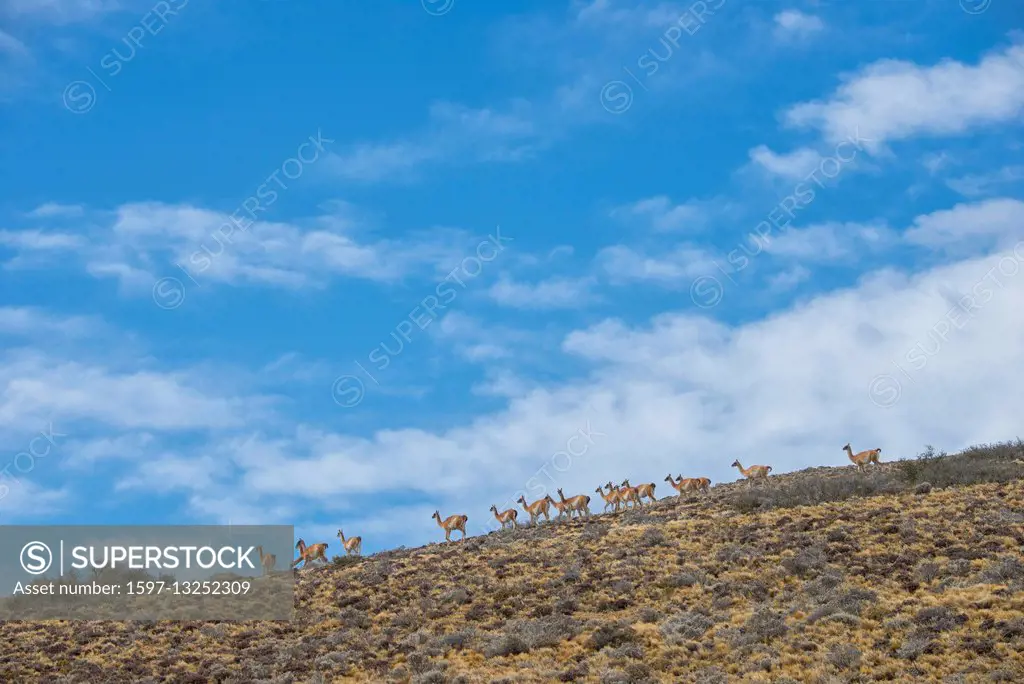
658,237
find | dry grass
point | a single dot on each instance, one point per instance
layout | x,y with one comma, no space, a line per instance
895,585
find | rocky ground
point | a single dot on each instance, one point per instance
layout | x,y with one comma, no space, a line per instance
911,572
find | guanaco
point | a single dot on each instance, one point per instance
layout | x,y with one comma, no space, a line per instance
682,486
690,484
559,506
450,524
642,490
267,561
536,509
506,517
308,554
862,459
579,504
754,472
610,499
626,495
352,544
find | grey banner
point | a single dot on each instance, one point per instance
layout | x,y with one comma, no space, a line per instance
189,572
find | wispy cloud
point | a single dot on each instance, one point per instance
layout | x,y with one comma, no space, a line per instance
455,134
792,23
623,264
974,227
552,293
661,214
827,242
894,99
794,165
62,12
978,185
138,243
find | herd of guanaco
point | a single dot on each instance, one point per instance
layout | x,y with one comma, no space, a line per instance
616,497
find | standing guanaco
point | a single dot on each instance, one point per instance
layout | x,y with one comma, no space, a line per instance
689,484
559,506
754,472
610,499
682,486
579,504
642,490
267,561
352,544
536,509
451,523
506,517
627,495
862,459
308,554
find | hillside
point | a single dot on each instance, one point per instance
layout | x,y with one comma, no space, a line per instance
912,571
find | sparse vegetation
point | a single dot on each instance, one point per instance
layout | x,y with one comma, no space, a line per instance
824,575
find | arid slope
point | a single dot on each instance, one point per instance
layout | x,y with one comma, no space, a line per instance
914,582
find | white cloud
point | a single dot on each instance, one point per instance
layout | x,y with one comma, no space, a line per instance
663,215
894,99
829,241
794,23
625,264
797,164
36,387
28,501
617,15
52,209
455,133
936,161
33,322
61,12
552,293
788,279
138,243
35,240
481,342
977,185
975,227
133,446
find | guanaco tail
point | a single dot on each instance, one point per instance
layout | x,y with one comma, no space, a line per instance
450,524
862,459
536,509
754,472
308,554
506,517
352,544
